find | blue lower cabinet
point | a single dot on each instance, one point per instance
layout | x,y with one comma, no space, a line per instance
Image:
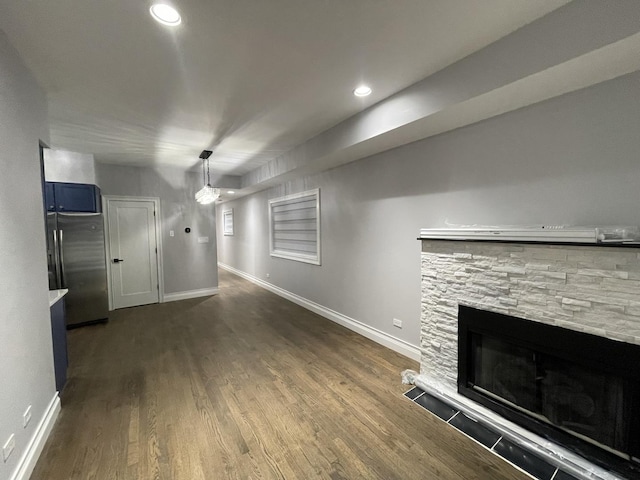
59,336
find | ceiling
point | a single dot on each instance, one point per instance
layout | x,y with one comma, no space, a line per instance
249,79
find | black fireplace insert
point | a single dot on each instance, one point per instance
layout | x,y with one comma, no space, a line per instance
579,390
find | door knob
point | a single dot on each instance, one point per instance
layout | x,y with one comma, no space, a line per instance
118,260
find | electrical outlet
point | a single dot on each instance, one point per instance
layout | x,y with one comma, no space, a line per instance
203,239
172,233
26,417
397,323
8,447
268,275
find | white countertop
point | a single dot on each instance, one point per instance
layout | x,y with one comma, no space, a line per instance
55,295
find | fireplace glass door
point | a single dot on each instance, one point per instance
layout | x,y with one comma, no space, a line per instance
570,396
579,390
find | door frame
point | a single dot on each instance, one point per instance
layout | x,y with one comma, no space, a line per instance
158,223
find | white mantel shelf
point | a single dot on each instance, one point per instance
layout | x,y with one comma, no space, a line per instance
547,235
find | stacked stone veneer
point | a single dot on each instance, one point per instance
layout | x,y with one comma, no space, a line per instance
587,288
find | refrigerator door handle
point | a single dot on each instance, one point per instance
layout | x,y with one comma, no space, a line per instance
56,258
61,250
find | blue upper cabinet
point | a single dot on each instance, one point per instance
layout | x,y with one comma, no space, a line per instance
72,197
49,197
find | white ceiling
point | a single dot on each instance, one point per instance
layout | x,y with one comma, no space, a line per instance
250,79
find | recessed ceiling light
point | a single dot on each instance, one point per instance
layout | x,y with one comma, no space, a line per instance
230,192
362,91
165,14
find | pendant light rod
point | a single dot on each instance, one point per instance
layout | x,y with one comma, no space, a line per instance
204,155
208,178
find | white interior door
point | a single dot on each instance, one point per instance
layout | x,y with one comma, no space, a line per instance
132,244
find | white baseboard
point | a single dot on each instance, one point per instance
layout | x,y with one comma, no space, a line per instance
203,292
31,454
378,336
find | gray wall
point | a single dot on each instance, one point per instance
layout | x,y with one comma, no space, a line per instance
575,46
571,160
26,354
188,265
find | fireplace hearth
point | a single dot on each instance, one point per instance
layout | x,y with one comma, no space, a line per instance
579,390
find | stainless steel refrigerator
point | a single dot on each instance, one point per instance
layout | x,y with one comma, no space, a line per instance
75,244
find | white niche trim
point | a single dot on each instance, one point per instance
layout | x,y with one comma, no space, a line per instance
227,222
294,227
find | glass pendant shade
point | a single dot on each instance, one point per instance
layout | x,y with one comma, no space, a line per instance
207,194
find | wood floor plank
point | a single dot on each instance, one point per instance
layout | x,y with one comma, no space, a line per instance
245,385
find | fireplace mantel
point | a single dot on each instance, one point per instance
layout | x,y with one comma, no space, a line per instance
585,288
581,287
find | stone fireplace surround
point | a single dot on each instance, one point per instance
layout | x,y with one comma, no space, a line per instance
589,288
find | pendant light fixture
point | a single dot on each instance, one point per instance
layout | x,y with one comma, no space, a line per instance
207,194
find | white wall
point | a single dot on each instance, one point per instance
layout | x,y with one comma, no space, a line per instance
26,354
570,160
65,166
188,265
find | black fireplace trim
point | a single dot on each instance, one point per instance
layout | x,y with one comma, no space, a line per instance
621,357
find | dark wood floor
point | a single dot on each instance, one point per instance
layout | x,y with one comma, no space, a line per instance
245,385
